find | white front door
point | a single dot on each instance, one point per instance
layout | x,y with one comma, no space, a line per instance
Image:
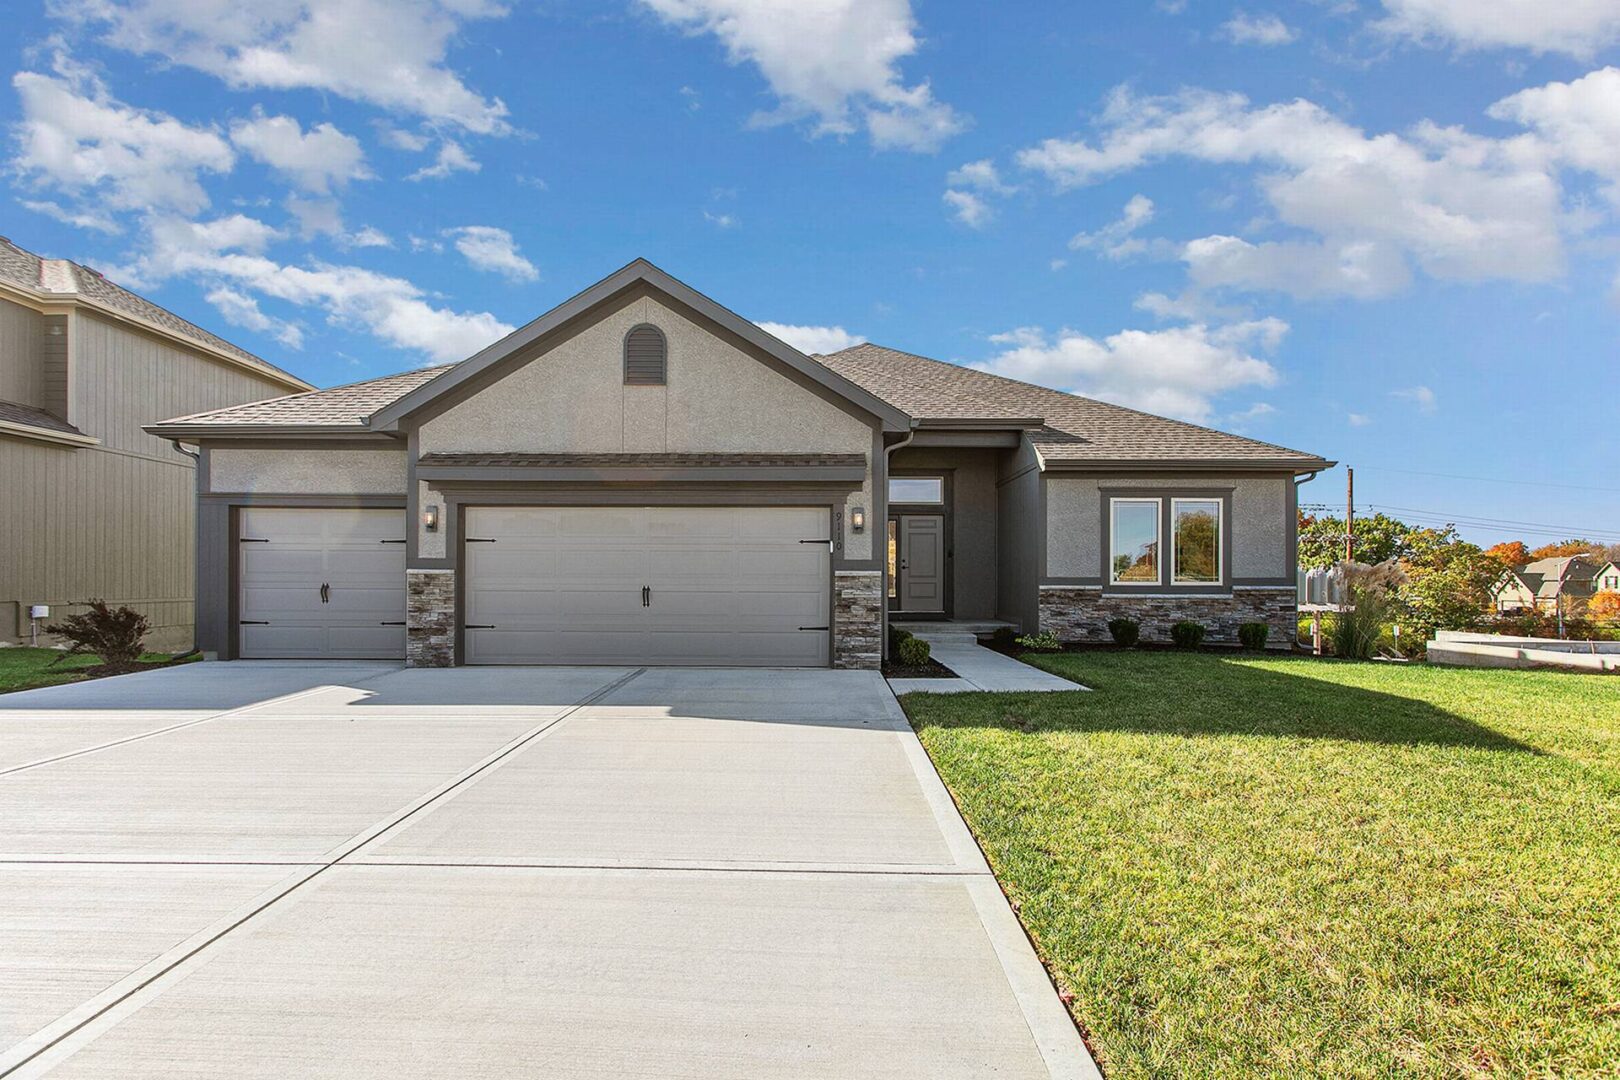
321,583
648,585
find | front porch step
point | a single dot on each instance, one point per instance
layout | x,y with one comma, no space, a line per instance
939,628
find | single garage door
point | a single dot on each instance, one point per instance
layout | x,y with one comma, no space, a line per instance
648,585
322,583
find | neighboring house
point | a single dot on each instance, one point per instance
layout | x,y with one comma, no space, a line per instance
1543,583
1606,578
94,506
641,476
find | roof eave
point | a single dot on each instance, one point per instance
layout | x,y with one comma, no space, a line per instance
193,432
1297,466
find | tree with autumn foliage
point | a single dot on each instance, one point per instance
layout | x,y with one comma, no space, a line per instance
1510,553
1604,607
1564,549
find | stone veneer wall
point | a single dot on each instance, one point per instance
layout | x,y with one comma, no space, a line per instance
430,618
1082,613
857,619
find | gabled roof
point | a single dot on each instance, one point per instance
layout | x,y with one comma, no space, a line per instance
640,272
1076,429
60,280
338,408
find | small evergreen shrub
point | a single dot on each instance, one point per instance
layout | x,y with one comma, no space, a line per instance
913,652
1043,642
1004,637
1253,635
114,634
896,636
1187,634
1125,631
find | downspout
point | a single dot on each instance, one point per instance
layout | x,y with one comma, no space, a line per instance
196,460
888,453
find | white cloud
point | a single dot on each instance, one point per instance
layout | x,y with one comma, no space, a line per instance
488,248
82,219
242,310
1356,419
721,221
812,339
1460,206
398,139
1115,240
76,138
369,237
980,175
833,61
972,210
1421,396
1577,27
1244,29
317,161
389,53
1176,372
452,158
1578,122
228,252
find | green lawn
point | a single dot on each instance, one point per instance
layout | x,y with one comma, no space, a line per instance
25,669
1303,868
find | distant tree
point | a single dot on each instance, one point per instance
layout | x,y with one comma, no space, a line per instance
1379,538
1604,607
1448,582
1510,553
1564,548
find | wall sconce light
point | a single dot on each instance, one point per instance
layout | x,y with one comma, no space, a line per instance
857,519
430,517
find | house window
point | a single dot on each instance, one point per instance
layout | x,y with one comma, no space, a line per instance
1195,527
646,356
1611,582
1133,541
917,489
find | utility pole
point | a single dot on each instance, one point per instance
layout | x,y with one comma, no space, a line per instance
1350,515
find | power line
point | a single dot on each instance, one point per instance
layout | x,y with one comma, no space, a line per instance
1542,528
1494,480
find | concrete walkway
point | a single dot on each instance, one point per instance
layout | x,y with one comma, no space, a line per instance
275,869
976,667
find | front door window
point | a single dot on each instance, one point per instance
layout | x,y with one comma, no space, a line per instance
894,558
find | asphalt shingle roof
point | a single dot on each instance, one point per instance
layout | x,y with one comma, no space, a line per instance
337,406
22,267
1076,429
642,460
14,413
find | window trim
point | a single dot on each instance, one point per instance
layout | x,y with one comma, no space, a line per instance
1158,540
1100,526
1220,540
938,478
624,356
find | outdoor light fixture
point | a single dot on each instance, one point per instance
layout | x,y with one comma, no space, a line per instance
857,519
430,517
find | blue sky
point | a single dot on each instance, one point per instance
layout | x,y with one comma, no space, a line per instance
1382,231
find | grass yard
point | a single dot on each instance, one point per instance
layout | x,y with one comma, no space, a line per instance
26,669
1246,867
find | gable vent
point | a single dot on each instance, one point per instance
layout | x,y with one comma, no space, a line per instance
646,356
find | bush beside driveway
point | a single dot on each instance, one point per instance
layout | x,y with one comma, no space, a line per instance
1296,868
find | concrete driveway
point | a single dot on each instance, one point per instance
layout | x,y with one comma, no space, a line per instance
266,869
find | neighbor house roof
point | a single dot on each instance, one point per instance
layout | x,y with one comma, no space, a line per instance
61,280
337,407
1076,429
28,416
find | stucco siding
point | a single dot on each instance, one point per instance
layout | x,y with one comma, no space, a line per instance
87,523
1258,532
121,379
973,537
21,339
718,398
1018,555
321,471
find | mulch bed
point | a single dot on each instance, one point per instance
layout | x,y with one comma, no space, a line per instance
931,670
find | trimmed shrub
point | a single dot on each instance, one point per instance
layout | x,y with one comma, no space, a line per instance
1044,642
1187,634
896,636
1253,635
114,634
1125,631
913,652
1003,637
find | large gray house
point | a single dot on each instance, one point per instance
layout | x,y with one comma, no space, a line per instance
95,506
642,476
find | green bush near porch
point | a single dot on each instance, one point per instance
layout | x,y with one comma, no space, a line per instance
1280,867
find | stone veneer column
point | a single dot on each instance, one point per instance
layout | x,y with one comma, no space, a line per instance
430,618
857,619
1082,612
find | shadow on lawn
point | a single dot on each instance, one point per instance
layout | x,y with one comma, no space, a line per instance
1199,694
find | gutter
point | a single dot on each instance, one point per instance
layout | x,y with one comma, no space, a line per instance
888,453
191,650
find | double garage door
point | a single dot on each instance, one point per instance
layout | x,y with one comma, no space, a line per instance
647,585
563,585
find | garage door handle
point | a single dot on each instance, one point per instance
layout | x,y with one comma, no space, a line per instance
390,541
326,593
815,628
646,596
253,622
400,623
478,540
254,540
478,626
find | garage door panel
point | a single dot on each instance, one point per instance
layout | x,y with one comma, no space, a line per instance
361,642
728,585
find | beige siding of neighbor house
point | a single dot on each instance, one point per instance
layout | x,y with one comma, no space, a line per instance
1259,530
308,472
21,332
113,521
572,399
